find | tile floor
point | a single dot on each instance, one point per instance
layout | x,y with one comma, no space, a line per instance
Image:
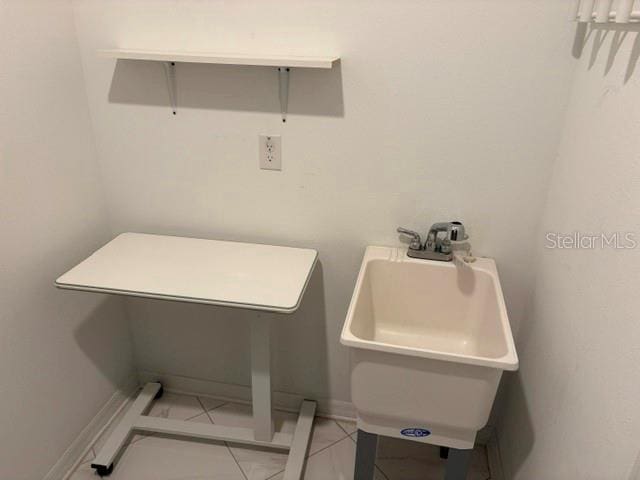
331,454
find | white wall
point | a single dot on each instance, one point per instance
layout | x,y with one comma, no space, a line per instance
61,354
573,411
439,110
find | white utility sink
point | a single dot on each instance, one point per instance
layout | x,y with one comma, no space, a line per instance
430,341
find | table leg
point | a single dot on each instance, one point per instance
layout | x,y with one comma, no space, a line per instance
261,378
300,443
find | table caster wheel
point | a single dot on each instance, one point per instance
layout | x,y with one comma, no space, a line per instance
102,470
159,394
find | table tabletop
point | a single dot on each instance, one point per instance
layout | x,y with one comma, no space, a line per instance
234,274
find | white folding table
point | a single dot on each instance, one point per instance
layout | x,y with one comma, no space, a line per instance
232,274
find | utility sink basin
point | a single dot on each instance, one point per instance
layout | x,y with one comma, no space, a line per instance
430,342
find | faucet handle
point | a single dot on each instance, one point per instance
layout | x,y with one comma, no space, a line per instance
416,241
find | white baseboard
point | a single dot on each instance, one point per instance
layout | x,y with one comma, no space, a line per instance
493,456
336,409
79,448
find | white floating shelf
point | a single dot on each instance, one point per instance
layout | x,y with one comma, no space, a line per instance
283,62
222,58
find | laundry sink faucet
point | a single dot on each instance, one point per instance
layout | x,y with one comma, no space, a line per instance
435,247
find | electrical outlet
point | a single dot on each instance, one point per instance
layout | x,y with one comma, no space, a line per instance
270,152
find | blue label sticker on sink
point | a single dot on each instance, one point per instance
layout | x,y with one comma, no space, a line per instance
415,432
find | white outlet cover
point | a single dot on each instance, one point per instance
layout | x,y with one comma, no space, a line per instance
270,152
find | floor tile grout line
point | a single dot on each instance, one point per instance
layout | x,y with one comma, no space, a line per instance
209,416
142,436
381,472
324,448
314,453
376,462
274,475
318,451
236,460
202,406
194,416
213,408
342,428
379,468
92,449
229,447
206,412
225,443
219,406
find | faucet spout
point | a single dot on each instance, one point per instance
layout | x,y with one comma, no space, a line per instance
432,237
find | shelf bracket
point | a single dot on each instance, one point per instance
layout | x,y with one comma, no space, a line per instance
170,74
283,78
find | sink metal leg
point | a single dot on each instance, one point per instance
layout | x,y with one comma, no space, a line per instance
444,453
458,464
366,446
